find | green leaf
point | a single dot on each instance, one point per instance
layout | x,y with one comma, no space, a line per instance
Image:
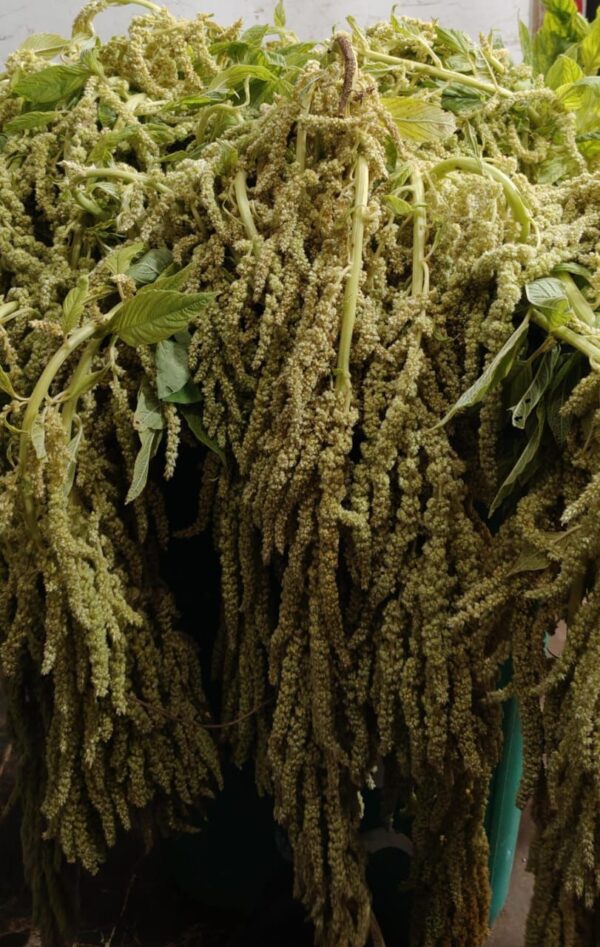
530,560
575,268
419,120
189,394
169,279
550,297
279,17
399,206
104,148
46,45
496,371
236,75
194,420
455,40
148,413
517,382
589,145
150,439
547,294
536,390
119,260
172,368
525,461
6,384
90,58
150,317
86,383
29,120
567,377
72,451
563,71
526,44
149,267
52,84
590,48
459,99
106,115
74,304
38,437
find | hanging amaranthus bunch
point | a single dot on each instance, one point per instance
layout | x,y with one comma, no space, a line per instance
547,551
345,231
346,534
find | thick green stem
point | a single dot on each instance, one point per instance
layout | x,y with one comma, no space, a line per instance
437,72
343,382
85,363
8,309
575,339
119,174
241,196
578,302
475,166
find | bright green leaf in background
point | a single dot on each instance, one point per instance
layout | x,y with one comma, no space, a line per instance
419,120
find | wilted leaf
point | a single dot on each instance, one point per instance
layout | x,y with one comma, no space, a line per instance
194,421
419,120
530,560
38,437
496,371
74,304
150,439
568,375
148,413
6,384
149,267
536,390
525,460
46,45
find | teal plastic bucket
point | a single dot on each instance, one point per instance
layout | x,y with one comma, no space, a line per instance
503,816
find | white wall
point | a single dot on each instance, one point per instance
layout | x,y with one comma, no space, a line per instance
310,18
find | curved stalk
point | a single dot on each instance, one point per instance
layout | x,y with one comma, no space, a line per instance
578,301
343,383
420,274
85,363
580,342
35,402
8,309
241,196
437,72
513,197
120,174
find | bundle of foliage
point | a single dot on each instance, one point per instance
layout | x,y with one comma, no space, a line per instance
303,262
